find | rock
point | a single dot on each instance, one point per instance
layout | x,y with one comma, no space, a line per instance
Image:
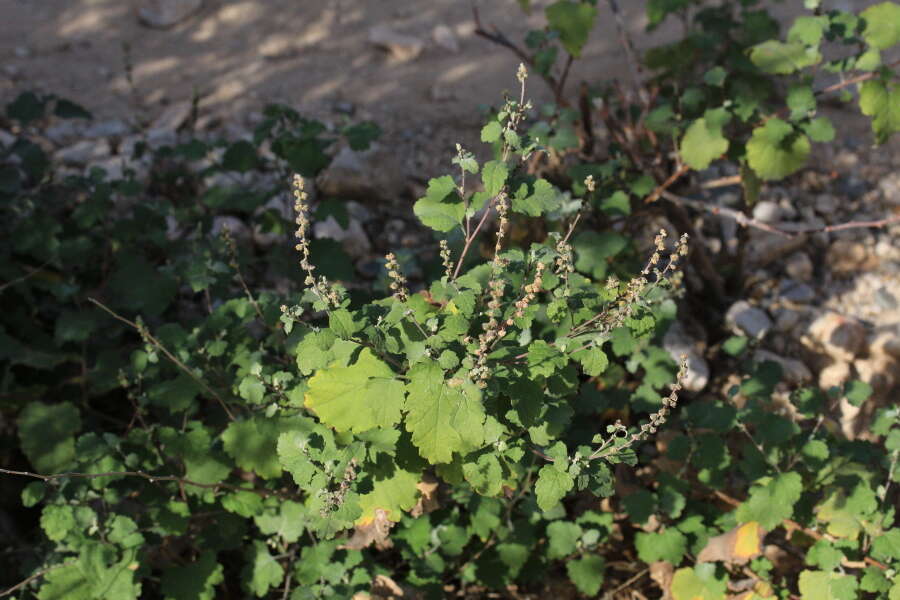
353,239
167,124
767,212
162,14
748,319
64,132
846,257
6,138
84,152
834,375
439,93
13,72
113,166
283,205
105,129
886,343
879,372
885,299
371,175
826,204
765,248
786,319
22,51
796,291
402,47
799,266
344,107
794,371
676,342
239,230
358,212
890,188
840,337
444,37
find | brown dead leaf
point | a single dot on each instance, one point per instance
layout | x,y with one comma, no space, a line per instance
428,498
737,546
376,531
662,572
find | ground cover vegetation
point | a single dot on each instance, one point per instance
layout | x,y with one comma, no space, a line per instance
189,415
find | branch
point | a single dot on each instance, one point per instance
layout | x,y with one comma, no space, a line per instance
31,578
149,477
858,79
471,238
497,37
634,67
144,333
788,232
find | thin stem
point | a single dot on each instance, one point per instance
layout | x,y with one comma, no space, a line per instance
149,477
471,238
156,343
32,577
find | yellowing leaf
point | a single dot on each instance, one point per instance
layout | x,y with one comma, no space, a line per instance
391,495
699,583
358,397
736,546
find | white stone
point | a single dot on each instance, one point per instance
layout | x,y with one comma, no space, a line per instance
401,46
6,138
353,239
84,152
444,37
64,132
370,175
162,14
767,212
114,128
677,343
840,337
750,320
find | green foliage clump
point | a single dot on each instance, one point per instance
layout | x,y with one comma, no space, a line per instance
183,431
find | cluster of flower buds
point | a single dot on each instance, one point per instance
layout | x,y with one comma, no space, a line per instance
531,291
446,260
320,286
398,281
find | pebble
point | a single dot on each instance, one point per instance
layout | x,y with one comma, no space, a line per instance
748,319
885,299
834,375
767,212
796,291
799,266
6,138
846,257
370,175
21,52
114,128
842,338
794,371
786,319
676,342
890,189
84,152
444,37
826,204
64,132
162,14
401,47
353,239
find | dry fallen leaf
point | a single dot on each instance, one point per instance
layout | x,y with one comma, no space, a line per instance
662,572
428,499
376,531
737,546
